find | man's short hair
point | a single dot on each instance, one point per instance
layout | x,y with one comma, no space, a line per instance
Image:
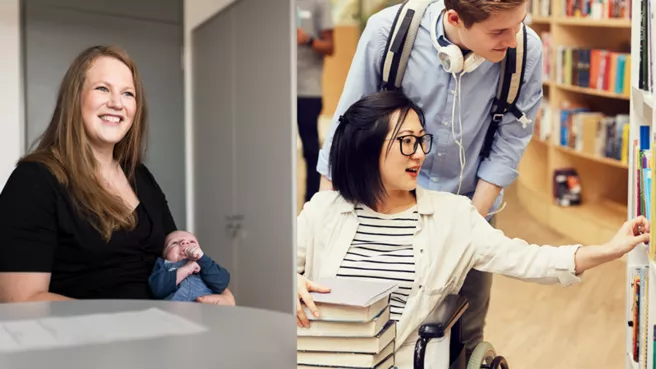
475,11
358,143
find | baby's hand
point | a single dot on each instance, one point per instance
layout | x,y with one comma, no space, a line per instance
193,253
191,267
185,271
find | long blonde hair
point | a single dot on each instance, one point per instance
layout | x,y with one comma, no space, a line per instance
64,149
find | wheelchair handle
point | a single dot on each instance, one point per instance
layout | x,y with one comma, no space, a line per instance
420,352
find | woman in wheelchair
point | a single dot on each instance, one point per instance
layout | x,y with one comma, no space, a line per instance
377,223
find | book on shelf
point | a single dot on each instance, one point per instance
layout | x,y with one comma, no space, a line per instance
566,187
539,8
597,69
643,168
590,132
639,282
547,43
597,9
645,77
354,328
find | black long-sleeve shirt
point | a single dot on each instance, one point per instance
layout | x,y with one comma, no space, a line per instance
42,232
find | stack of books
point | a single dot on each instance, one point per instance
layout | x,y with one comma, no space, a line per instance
353,330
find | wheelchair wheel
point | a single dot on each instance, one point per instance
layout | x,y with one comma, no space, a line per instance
482,357
499,362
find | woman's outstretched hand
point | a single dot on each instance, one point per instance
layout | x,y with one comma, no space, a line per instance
304,287
631,234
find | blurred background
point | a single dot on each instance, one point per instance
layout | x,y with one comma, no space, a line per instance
573,185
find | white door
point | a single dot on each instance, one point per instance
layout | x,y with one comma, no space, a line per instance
244,146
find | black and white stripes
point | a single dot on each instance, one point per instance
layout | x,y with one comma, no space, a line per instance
382,250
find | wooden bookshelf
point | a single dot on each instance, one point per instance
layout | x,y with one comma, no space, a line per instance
587,22
641,261
590,91
604,180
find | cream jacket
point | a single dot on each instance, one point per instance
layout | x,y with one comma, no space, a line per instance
451,238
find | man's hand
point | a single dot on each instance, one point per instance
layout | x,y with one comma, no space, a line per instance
484,196
301,37
225,299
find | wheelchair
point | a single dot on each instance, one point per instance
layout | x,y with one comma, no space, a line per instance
445,318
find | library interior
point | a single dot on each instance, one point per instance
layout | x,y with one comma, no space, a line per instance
587,169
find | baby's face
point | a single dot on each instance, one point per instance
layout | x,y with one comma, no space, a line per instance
177,242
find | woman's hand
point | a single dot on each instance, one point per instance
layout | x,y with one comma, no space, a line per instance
631,234
226,299
304,287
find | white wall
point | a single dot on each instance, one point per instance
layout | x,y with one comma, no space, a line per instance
195,13
198,11
11,92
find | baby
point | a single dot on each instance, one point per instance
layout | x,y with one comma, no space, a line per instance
185,272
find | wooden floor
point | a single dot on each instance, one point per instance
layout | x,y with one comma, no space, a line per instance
545,327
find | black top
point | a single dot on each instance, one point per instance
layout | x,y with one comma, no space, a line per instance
41,232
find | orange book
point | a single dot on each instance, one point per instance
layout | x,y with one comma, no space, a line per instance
610,86
594,67
626,89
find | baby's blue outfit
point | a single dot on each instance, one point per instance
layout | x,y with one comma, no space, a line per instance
212,279
190,288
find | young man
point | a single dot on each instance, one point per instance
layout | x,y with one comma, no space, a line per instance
484,27
315,41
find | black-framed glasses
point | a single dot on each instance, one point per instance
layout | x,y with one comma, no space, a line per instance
409,143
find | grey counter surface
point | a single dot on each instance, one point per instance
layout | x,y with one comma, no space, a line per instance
238,337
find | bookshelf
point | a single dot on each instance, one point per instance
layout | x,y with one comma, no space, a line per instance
640,305
581,123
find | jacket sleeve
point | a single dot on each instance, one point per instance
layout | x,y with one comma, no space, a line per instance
363,77
215,277
304,236
161,280
500,168
496,253
308,223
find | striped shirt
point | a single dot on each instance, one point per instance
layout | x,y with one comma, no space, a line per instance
382,250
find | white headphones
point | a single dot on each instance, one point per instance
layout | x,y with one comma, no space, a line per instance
450,56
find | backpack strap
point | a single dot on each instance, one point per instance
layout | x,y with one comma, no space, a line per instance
510,85
399,42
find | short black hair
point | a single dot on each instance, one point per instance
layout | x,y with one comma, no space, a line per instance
358,142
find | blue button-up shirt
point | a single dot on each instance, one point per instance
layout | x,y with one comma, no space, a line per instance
433,89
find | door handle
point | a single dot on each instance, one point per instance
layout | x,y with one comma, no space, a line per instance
233,225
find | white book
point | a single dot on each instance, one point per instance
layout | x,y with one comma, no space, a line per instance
348,360
320,328
353,292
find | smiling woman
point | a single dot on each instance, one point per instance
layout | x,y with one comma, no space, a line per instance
81,216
